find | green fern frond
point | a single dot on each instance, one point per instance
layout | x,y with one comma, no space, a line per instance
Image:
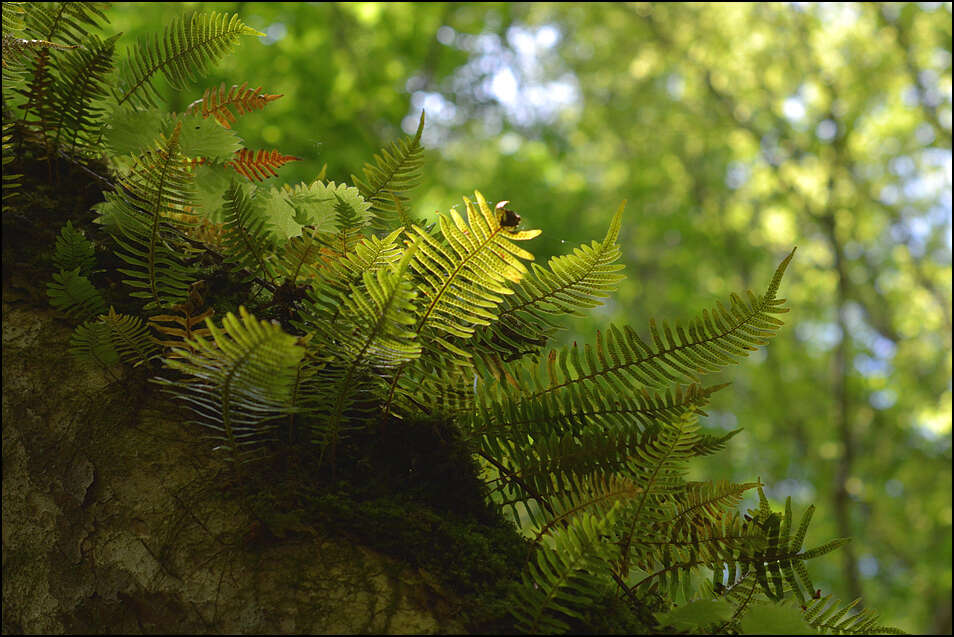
597,494
247,240
66,22
218,103
564,579
60,25
82,85
238,384
187,49
91,341
571,283
372,332
706,501
145,219
624,362
386,184
828,616
73,251
657,469
338,273
72,293
464,280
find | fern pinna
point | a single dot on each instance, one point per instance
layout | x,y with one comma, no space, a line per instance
378,321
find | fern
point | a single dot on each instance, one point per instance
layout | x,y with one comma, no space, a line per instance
261,165
571,283
396,171
91,341
563,579
130,338
146,216
626,362
218,103
72,294
187,49
588,447
239,383
824,614
83,84
73,251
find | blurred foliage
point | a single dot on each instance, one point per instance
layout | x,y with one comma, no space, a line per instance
735,132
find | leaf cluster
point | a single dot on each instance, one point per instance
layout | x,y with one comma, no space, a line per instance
358,320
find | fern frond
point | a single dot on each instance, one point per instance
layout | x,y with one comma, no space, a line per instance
258,166
336,275
828,616
386,184
563,580
61,25
185,325
73,251
130,338
219,103
465,279
67,22
658,470
462,282
72,293
247,241
147,215
187,49
372,332
91,341
82,85
625,362
238,384
571,283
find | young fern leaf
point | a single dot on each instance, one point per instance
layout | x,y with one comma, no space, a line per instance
219,103
239,384
571,283
259,166
72,293
396,172
187,49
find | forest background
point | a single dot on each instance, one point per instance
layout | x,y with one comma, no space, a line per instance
735,132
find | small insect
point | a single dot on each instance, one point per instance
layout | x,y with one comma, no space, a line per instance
508,218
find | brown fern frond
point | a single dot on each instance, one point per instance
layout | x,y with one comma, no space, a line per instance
187,323
258,166
219,102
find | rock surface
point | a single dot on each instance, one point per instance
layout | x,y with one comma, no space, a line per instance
114,520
